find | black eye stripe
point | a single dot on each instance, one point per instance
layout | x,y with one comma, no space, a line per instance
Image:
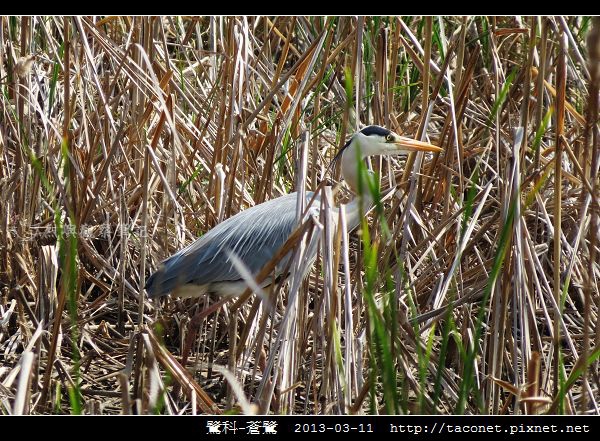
367,131
375,130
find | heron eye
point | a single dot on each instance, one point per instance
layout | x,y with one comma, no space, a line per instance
389,138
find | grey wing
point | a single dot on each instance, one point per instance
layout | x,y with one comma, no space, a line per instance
254,235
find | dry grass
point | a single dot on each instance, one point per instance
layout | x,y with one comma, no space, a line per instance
473,289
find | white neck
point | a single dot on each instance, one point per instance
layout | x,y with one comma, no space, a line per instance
351,176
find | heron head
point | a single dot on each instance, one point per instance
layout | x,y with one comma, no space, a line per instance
376,140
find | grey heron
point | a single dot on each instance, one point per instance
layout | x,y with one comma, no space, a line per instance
256,234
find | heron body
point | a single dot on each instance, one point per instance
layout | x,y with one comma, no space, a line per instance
253,235
256,234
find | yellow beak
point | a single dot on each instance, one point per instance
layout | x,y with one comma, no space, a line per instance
412,145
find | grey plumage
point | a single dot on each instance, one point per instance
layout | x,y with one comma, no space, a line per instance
254,235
